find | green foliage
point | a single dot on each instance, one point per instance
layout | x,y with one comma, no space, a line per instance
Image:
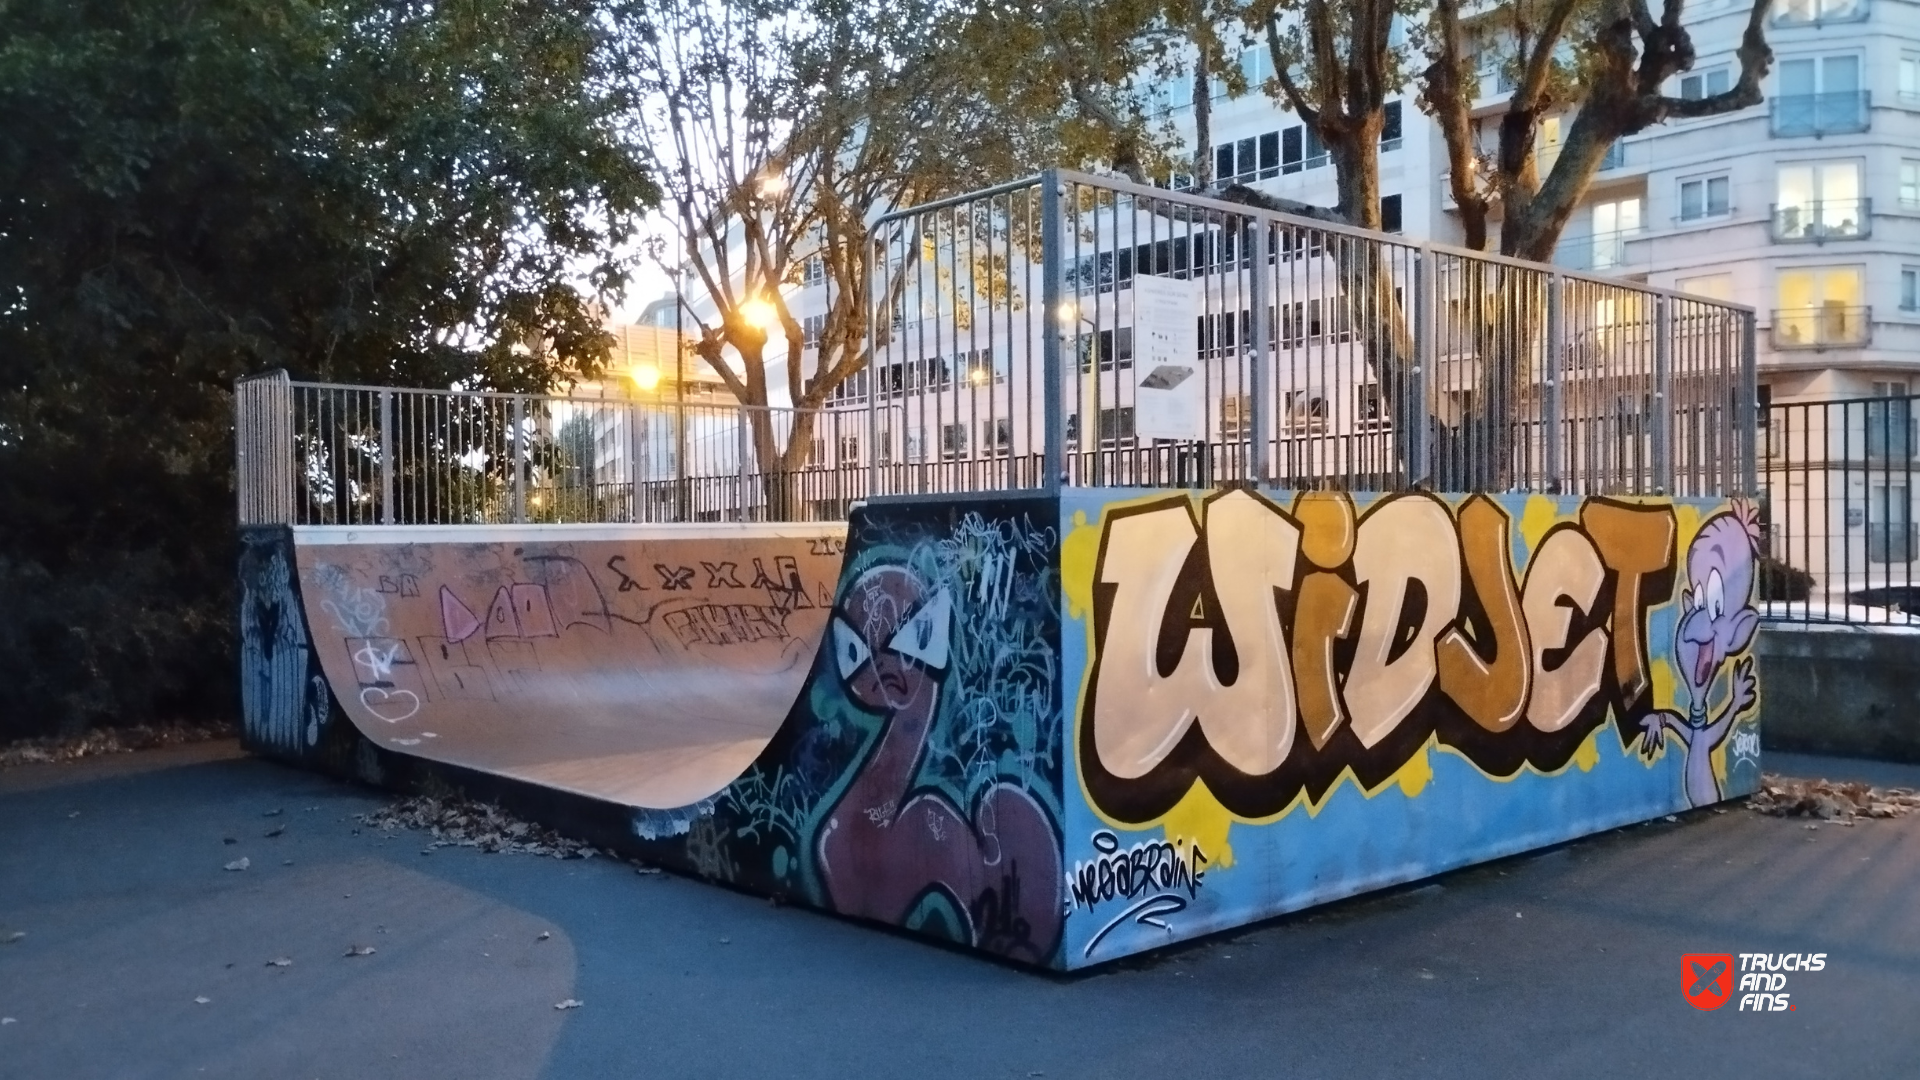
355,190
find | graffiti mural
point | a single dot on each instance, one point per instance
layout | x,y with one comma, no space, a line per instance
1312,666
284,697
917,781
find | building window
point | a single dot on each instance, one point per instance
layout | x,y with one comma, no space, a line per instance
1819,201
1614,223
1910,78
1390,130
813,271
1369,408
1910,288
1820,307
1316,151
953,441
1303,412
996,437
1706,83
1116,426
1910,183
849,450
1390,220
1820,95
812,329
1815,12
1705,197
1236,416
1114,348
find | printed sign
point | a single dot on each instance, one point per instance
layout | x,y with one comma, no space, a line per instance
1170,398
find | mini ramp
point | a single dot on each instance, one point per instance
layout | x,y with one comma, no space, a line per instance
1059,729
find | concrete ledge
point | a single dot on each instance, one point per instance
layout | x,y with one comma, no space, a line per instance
1850,692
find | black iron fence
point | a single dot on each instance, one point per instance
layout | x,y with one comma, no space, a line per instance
1840,498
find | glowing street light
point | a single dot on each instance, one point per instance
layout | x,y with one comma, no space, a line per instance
645,376
759,313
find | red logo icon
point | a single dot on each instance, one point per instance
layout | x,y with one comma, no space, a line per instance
1707,979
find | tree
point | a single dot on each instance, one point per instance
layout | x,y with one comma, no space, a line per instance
780,136
1605,60
193,190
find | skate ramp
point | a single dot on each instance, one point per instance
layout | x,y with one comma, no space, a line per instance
642,665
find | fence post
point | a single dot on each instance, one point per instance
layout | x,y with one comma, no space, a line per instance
386,457
1260,420
636,448
1053,301
1662,395
1550,407
1417,427
741,451
263,448
1745,421
519,458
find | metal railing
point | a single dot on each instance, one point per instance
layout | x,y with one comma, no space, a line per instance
1820,221
1074,330
321,454
1196,341
1841,513
1601,252
1838,113
1830,327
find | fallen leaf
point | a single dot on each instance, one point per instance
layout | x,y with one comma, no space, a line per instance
275,812
74,814
646,869
240,863
202,1000
275,831
359,950
4,1020
229,840
1671,817
570,1003
726,941
280,962
13,937
544,935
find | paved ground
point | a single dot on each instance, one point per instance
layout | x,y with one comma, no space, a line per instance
1562,964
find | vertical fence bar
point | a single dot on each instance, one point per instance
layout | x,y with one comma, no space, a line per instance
518,442
1744,424
1052,299
1555,361
386,457
1662,395
742,451
1416,414
1259,423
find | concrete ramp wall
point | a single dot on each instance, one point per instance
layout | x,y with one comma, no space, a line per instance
1059,730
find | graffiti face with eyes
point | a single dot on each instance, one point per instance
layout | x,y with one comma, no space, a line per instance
890,640
1716,621
1717,624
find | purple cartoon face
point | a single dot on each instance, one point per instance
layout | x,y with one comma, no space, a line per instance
1717,620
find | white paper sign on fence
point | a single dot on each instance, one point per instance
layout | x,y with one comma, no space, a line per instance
1169,388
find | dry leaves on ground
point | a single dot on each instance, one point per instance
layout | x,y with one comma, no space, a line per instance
570,1003
239,864
280,962
458,822
109,741
1829,800
359,950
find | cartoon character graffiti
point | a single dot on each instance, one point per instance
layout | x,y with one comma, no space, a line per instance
1716,626
887,849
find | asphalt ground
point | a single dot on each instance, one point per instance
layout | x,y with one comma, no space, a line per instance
1561,963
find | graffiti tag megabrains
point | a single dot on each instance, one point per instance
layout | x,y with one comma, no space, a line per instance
1264,653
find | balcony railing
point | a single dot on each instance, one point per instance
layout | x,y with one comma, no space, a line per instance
1818,12
1831,327
1821,114
1599,252
1832,219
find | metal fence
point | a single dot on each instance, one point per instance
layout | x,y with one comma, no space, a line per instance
1132,335
1074,330
1840,511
